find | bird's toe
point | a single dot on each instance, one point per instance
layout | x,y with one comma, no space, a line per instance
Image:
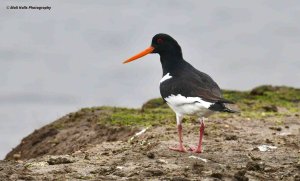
195,149
178,148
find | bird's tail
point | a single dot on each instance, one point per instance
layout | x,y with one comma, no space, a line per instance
221,107
226,109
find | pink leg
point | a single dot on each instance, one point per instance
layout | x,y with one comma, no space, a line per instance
180,147
201,132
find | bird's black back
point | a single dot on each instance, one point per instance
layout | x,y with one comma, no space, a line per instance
190,82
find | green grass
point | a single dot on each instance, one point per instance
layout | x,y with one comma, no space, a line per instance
251,105
130,117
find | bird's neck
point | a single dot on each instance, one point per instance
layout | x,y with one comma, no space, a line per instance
171,62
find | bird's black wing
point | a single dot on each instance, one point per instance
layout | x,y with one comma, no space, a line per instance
190,82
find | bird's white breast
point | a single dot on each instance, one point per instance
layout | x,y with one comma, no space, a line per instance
166,77
188,105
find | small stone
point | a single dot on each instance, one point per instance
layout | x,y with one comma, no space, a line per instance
105,170
13,176
150,155
68,169
186,169
119,173
161,161
253,157
153,172
207,172
240,176
216,175
77,152
19,161
268,141
298,164
264,148
297,178
120,167
87,156
17,156
228,167
270,108
231,137
198,167
55,160
105,153
268,169
36,164
275,128
254,166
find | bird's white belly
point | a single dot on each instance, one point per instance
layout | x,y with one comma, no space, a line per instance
188,105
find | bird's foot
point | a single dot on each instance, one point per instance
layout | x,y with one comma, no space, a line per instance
178,148
195,149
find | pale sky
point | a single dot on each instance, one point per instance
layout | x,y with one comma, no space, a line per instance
60,60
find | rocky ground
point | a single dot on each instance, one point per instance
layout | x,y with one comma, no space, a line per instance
260,143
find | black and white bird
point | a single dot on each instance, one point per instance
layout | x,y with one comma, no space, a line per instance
185,89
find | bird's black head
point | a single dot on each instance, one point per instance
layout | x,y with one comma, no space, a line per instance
163,44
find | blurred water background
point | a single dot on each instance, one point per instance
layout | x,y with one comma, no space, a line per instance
56,61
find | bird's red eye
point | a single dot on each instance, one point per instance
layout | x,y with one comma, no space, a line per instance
159,41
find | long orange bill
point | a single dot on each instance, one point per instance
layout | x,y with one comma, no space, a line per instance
141,54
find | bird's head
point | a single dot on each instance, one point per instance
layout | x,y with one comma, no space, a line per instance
162,44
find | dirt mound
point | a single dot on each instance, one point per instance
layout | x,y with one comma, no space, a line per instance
70,133
260,143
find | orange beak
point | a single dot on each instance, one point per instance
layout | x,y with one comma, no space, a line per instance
141,54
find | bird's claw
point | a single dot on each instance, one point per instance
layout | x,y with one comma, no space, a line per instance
178,148
195,149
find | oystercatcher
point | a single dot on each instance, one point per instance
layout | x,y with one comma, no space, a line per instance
184,88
